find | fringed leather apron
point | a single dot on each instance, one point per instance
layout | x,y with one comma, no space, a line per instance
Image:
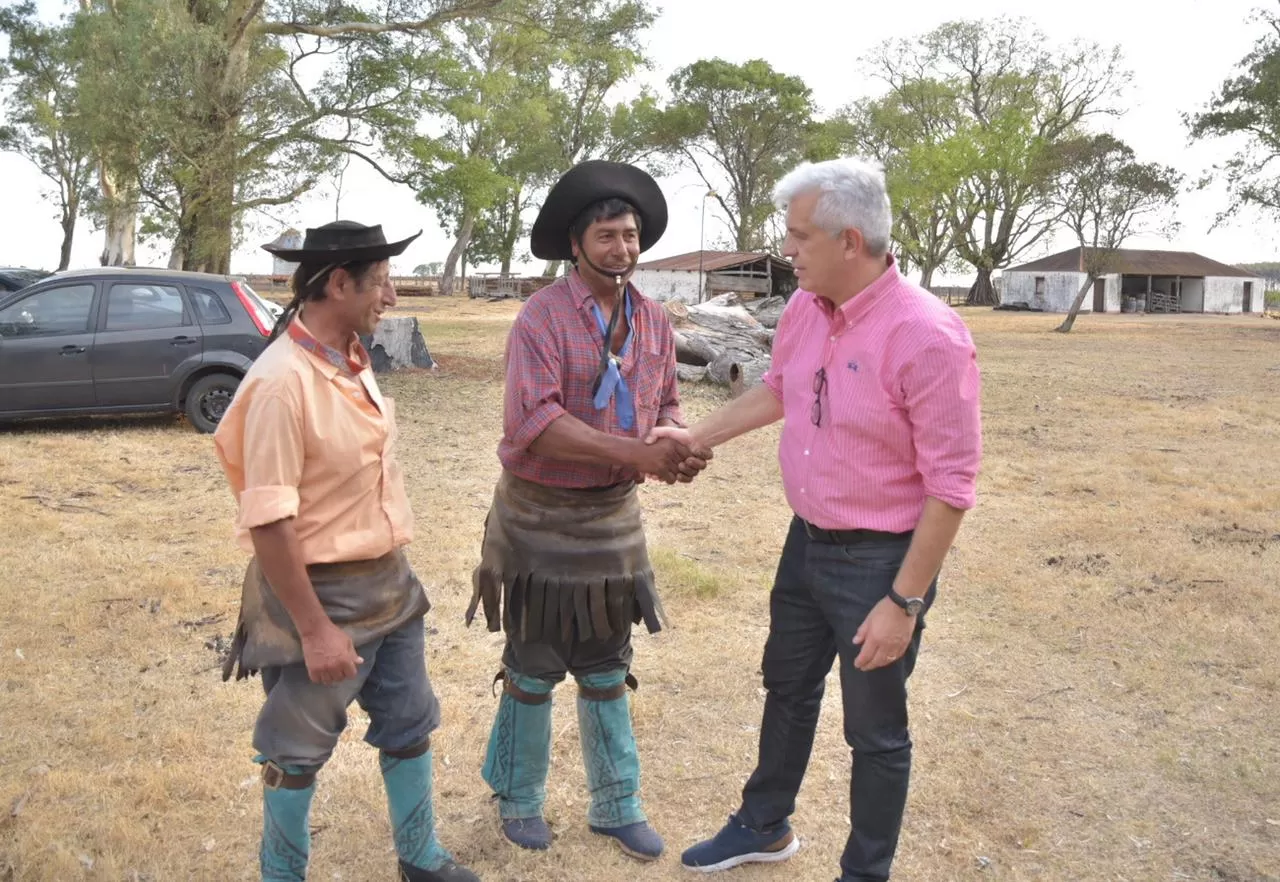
555,560
367,599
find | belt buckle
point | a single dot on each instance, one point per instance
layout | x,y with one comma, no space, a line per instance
272,775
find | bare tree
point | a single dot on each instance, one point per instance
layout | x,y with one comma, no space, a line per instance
1106,196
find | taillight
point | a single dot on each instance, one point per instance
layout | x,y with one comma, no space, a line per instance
261,318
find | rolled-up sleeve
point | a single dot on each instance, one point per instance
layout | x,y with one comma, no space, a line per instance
273,457
534,399
942,389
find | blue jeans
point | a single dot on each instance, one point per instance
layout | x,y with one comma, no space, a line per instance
301,721
821,594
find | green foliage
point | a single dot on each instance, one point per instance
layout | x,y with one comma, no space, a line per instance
1247,105
1106,195
742,127
40,107
518,101
918,133
990,101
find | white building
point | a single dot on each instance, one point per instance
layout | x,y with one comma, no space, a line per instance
290,238
745,272
1140,281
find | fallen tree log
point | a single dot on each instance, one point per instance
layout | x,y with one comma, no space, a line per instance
767,310
397,343
723,338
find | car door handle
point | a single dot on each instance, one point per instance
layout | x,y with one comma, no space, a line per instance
71,350
182,341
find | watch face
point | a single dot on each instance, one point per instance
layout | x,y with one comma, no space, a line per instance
915,605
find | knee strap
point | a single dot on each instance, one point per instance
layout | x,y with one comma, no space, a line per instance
413,752
521,695
609,693
276,777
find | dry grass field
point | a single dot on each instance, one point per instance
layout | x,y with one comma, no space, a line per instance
1098,697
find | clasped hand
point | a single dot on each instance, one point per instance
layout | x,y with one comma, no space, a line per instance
671,454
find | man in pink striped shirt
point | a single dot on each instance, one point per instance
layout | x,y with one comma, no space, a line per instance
877,384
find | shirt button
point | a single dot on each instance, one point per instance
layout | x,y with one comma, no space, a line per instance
833,338
802,490
806,453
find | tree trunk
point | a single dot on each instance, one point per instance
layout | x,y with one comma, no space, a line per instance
69,213
183,253
177,257
983,293
1070,320
209,237
926,276
459,246
551,268
122,219
512,233
209,210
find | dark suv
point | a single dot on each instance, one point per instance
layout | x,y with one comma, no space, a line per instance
129,340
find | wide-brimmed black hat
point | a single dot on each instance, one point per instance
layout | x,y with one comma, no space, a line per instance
343,242
590,182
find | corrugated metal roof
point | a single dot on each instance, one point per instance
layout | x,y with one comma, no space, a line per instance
711,260
1136,262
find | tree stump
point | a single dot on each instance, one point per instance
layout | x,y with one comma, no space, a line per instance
397,343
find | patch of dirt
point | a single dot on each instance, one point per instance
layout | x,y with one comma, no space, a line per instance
1237,534
1164,587
1094,563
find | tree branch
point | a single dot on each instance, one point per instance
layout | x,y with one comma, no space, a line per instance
374,165
464,9
275,200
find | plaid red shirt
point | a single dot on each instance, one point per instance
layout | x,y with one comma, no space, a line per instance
553,352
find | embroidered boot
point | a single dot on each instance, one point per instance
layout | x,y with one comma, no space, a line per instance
407,775
286,830
613,765
518,756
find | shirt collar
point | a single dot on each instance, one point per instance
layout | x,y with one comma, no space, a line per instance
864,300
330,361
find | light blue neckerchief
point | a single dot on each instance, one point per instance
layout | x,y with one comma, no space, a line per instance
613,376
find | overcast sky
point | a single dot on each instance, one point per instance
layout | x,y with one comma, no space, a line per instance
1179,52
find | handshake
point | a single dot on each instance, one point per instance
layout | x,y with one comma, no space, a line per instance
671,454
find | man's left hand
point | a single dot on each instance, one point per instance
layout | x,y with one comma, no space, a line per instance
884,636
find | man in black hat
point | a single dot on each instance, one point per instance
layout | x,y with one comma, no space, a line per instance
331,611
564,568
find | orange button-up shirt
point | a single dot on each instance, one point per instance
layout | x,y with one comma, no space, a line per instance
309,436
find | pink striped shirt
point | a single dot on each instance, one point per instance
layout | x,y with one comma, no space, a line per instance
899,418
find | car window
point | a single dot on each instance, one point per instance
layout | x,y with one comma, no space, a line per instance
135,307
62,310
208,307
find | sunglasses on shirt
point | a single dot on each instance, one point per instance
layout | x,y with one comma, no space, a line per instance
819,386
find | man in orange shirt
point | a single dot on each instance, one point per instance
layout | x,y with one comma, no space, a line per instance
331,611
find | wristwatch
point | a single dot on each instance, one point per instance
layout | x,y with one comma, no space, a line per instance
912,606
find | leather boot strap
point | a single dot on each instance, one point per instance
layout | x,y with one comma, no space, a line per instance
519,694
413,752
613,693
275,778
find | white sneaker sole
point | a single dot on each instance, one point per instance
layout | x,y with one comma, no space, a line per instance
756,857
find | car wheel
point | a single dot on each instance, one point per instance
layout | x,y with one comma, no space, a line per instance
209,399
